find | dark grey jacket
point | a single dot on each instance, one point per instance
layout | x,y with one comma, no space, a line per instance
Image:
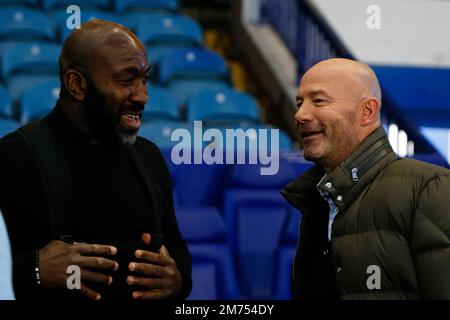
393,223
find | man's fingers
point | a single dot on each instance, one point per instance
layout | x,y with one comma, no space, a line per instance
95,249
150,283
99,263
154,258
147,269
164,251
149,295
91,276
146,238
91,294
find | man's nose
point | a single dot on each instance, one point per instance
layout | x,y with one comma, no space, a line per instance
304,113
140,93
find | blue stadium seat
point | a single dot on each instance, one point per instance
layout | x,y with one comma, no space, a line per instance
219,105
59,17
39,100
161,106
167,28
185,72
7,126
156,52
255,221
60,20
5,103
191,63
122,5
285,256
20,84
21,22
213,273
201,225
249,176
16,3
208,181
184,88
26,65
28,58
51,4
159,132
5,45
253,206
163,33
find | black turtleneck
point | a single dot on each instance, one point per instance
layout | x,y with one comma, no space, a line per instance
110,203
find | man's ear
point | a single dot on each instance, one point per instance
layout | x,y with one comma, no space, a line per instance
75,84
370,111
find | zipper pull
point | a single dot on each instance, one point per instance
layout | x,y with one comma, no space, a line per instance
355,174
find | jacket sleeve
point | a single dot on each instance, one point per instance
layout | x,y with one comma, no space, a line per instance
430,240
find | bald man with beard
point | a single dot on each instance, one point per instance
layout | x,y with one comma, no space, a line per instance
374,226
105,207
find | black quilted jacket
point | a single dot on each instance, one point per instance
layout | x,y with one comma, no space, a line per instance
391,237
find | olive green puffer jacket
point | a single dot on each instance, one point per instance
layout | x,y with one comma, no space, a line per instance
391,237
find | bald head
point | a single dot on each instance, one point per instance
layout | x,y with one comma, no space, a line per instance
358,78
89,47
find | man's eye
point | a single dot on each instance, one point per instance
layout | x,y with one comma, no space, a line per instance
299,104
145,79
318,101
126,81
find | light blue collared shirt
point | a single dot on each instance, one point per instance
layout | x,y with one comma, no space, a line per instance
334,210
6,287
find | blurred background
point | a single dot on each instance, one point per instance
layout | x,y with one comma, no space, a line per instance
237,64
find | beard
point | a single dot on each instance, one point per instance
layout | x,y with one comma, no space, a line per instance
338,142
127,138
104,123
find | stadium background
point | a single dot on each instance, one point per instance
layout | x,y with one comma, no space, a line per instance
236,64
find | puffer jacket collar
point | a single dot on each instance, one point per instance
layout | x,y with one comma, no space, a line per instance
345,182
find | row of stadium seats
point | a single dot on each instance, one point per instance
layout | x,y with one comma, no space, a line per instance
16,54
226,107
154,29
218,273
252,230
117,5
184,72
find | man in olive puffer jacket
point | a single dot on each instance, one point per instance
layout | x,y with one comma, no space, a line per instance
374,226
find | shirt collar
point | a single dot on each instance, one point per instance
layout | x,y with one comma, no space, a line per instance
345,182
